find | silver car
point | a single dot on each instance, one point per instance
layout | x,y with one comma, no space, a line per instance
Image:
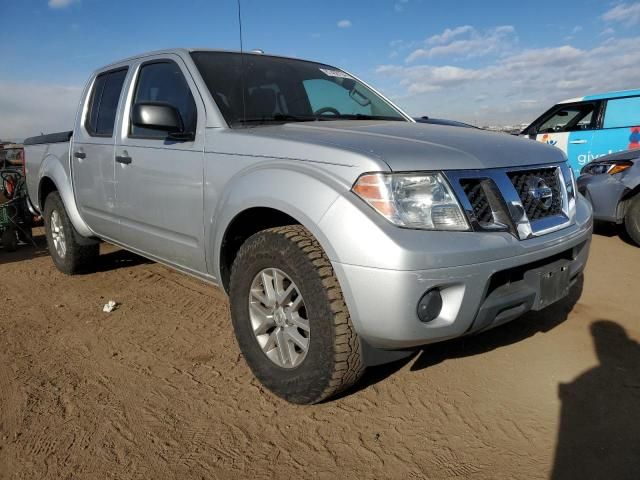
344,232
612,185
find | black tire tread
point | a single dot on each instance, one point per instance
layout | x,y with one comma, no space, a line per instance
632,219
348,362
79,258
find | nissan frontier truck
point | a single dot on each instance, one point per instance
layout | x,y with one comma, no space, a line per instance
344,233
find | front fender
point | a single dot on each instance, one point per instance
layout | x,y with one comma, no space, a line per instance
51,168
304,192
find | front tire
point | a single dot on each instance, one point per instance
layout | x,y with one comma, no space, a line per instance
69,255
632,219
290,318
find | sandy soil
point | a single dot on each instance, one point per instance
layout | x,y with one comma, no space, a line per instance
158,389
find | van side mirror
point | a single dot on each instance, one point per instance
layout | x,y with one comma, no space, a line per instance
157,116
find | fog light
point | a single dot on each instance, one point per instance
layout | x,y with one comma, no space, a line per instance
430,305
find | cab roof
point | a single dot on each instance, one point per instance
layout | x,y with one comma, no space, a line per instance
186,51
604,96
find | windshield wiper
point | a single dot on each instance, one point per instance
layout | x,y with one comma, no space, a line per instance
279,117
362,116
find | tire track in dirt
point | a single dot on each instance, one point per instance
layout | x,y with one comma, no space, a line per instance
158,389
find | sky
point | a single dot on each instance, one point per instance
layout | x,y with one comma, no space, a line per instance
483,62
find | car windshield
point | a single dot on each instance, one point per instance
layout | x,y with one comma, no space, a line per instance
258,89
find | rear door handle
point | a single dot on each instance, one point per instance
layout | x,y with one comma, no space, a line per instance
123,159
80,155
579,142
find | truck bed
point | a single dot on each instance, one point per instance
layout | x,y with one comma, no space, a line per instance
53,147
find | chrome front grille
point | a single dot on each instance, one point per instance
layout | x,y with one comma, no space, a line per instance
529,184
477,197
525,201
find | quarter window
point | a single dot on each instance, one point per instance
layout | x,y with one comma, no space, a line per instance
103,106
164,82
622,112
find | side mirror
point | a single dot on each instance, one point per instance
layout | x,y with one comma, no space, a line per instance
157,116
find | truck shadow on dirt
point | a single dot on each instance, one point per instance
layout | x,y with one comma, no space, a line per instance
606,229
118,259
599,432
25,251
106,262
524,327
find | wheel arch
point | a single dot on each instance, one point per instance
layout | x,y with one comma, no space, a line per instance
55,177
266,196
253,220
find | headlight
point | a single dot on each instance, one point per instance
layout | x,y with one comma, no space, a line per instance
611,167
412,200
572,186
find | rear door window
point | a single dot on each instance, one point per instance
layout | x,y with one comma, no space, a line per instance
103,106
622,112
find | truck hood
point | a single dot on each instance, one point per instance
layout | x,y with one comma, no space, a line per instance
407,146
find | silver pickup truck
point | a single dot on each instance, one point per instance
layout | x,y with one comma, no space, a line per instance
344,232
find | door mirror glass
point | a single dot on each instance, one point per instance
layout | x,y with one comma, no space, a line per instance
157,116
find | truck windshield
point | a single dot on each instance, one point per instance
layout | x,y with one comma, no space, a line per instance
278,90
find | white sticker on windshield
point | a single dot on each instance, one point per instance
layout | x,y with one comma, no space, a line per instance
335,73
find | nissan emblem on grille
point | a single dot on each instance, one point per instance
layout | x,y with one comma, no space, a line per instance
526,202
538,189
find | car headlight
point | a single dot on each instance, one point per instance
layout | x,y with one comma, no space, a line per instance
412,200
611,167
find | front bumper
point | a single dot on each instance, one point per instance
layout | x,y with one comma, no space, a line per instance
476,295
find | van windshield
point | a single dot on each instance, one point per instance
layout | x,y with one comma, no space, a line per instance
278,90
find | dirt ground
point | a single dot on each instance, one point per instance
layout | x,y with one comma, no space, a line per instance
158,389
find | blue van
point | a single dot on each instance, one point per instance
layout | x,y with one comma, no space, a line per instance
590,127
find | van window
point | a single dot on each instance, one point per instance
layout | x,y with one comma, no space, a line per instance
103,105
164,82
622,112
569,118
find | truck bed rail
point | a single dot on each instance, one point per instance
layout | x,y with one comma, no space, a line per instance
49,138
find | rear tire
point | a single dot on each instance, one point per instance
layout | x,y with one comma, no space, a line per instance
632,220
330,357
69,255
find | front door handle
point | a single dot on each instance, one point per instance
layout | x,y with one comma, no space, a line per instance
123,159
80,155
578,142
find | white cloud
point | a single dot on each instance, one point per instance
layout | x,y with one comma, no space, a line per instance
626,13
450,33
37,108
514,87
465,42
399,5
344,23
607,32
61,3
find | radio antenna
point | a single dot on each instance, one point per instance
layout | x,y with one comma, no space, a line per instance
244,105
